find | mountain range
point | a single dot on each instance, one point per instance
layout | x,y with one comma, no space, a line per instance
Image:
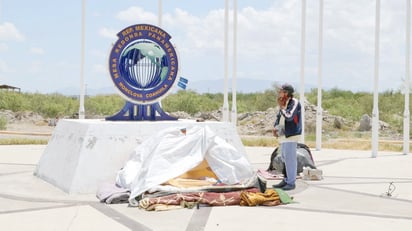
199,86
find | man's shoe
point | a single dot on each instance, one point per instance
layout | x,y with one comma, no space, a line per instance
289,187
280,185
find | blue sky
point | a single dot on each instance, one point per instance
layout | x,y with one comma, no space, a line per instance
40,41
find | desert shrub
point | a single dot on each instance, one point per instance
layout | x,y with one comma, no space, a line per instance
12,101
190,102
351,106
3,123
104,104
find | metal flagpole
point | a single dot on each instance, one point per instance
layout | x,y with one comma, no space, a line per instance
319,110
302,69
225,110
375,112
159,22
406,114
82,87
234,107
159,14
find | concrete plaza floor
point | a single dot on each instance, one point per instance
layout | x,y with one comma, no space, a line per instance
357,193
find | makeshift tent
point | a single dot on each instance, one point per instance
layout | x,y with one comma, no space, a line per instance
191,153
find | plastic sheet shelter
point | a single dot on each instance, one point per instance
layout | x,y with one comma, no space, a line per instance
175,151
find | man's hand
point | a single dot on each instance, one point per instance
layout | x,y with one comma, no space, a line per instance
275,132
282,102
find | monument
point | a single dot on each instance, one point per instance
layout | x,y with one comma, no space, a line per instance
143,65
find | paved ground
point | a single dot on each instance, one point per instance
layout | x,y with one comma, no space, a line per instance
357,193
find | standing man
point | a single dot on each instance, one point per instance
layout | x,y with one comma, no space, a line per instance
288,127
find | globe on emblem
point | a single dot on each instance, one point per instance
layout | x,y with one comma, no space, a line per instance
143,64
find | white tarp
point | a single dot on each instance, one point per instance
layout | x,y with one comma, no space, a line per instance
174,151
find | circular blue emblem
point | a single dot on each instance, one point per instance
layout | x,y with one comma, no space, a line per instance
143,64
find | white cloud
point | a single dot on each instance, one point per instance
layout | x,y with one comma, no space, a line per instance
130,15
264,32
37,50
195,34
137,14
108,33
3,47
269,41
8,32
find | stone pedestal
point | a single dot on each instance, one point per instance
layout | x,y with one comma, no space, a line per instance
82,154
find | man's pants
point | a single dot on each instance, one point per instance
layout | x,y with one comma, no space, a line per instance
288,154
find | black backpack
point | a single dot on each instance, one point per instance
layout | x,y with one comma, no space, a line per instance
304,159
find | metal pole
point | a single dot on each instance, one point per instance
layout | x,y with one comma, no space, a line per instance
234,107
159,21
225,110
406,114
302,69
82,87
160,12
319,110
375,112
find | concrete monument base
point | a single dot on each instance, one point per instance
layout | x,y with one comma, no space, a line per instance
82,154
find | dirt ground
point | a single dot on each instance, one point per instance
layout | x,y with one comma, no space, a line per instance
30,127
27,131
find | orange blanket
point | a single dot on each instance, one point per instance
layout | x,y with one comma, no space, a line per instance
248,197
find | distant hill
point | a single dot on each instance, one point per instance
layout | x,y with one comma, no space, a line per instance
69,91
242,85
199,86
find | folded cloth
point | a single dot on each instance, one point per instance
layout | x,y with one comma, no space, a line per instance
189,200
112,194
269,175
269,198
284,197
118,198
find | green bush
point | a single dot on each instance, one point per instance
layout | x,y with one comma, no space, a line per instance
13,101
187,101
352,106
347,104
3,123
103,105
